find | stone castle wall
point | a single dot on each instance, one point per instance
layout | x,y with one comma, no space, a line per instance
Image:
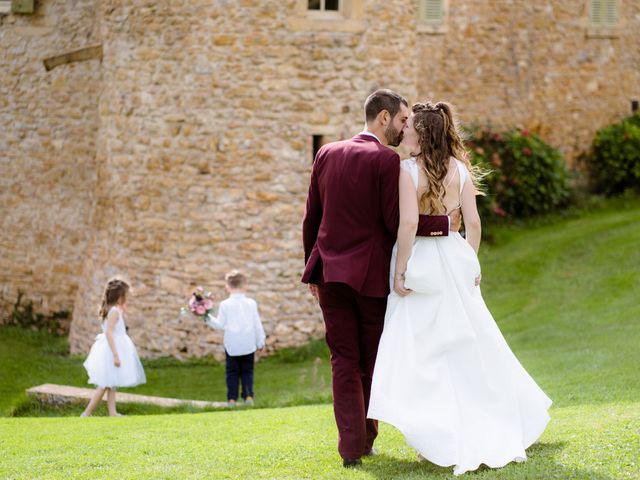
535,65
48,130
204,155
186,151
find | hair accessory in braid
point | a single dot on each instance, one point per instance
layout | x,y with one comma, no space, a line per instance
114,291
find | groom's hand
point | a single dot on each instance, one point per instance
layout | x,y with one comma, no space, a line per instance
314,290
455,218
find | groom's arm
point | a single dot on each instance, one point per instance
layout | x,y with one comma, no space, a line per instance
312,214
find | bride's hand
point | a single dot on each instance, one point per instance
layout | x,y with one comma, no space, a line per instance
398,285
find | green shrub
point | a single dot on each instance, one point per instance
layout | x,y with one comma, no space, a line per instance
614,161
528,177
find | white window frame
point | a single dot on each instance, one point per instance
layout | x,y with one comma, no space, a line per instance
348,17
603,30
327,14
433,27
5,7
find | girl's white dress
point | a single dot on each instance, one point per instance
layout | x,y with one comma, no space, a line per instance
444,374
99,364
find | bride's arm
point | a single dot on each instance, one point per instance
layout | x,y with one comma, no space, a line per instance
407,229
472,224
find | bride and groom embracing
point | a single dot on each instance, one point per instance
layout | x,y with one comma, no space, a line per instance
444,375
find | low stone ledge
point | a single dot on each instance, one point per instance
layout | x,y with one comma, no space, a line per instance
52,394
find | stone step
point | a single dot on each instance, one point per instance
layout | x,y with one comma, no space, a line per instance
52,394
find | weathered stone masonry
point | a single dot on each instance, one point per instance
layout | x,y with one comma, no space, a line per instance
185,150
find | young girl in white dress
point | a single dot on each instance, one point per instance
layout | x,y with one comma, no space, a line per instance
113,360
444,374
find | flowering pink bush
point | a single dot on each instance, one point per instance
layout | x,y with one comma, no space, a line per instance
528,177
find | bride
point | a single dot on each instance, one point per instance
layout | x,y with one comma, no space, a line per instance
444,374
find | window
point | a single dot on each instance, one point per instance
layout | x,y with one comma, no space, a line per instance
328,15
431,11
432,15
603,13
324,5
318,141
322,135
603,18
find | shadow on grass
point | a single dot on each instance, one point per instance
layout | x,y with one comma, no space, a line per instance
542,464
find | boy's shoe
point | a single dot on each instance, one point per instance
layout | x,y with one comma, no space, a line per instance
248,401
231,403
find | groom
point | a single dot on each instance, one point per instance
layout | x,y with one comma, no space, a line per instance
349,229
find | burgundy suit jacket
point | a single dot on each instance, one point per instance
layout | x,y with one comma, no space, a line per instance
351,219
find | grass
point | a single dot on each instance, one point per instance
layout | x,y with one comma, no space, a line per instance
595,442
291,377
564,294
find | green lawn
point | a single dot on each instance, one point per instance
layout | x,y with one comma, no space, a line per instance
565,295
292,377
588,442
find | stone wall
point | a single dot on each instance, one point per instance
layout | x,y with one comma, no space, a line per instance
186,151
48,127
204,151
534,65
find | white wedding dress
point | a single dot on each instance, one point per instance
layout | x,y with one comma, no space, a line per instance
444,375
99,363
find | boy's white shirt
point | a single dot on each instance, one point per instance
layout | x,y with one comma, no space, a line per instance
238,317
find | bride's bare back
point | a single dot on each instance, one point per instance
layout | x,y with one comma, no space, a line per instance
451,199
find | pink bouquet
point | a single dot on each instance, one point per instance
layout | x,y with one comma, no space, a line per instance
200,304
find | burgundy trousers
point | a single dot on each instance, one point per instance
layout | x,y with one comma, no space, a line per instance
354,326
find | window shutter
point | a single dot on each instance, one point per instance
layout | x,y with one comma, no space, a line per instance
603,13
431,11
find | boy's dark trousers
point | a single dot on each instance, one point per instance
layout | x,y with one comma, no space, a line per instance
237,369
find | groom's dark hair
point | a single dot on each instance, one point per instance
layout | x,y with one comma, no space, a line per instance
383,99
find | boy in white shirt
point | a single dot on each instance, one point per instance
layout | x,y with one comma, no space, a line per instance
243,335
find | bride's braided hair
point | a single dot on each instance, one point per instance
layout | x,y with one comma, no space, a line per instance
115,290
439,139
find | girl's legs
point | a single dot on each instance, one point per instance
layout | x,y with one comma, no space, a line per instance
93,403
111,402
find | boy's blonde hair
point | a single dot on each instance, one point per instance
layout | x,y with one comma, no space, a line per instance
235,279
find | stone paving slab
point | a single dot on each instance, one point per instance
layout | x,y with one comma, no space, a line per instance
61,394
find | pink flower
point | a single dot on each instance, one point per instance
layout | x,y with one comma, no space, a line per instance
497,137
200,310
527,151
208,304
525,132
499,211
